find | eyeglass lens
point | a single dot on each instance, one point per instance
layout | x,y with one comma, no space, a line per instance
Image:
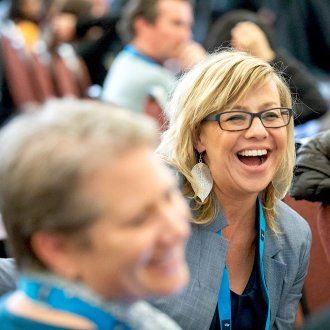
236,120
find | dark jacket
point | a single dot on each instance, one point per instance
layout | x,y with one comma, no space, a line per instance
312,174
308,101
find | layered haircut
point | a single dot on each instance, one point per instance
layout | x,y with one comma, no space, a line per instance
46,158
217,83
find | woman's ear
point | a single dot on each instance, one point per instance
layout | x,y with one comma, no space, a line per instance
197,141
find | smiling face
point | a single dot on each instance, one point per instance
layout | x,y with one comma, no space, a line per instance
137,246
243,163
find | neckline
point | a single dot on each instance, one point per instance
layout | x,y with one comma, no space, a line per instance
132,50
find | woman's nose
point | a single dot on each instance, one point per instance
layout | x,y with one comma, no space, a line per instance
257,129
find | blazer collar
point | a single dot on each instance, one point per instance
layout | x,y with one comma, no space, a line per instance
273,241
218,222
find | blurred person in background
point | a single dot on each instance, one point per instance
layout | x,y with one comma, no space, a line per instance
95,221
90,27
155,31
27,15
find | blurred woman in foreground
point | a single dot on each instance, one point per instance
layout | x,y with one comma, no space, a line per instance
95,221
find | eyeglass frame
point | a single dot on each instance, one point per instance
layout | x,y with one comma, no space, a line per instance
216,117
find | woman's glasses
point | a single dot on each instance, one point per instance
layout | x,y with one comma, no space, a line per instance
240,120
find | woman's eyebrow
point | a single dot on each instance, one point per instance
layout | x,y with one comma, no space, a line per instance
262,106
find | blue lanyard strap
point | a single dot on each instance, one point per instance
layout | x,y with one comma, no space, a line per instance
262,238
133,51
58,298
224,303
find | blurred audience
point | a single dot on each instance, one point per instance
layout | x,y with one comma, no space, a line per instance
27,15
155,31
303,28
90,27
85,259
52,68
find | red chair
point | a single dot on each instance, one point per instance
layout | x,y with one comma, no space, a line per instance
316,288
43,80
323,226
17,73
70,81
154,110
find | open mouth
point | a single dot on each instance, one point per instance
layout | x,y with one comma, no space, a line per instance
253,157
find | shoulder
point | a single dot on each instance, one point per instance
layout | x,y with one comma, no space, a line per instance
8,275
295,230
138,74
289,219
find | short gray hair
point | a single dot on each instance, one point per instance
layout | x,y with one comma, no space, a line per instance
44,158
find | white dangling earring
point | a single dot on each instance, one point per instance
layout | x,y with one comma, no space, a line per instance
203,179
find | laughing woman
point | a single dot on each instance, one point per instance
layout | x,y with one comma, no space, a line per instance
231,141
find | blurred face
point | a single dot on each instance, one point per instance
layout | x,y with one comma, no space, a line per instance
243,163
137,246
100,7
64,27
172,28
32,9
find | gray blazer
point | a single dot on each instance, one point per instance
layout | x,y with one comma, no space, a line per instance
8,275
285,260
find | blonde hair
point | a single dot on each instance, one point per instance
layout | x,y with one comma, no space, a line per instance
218,82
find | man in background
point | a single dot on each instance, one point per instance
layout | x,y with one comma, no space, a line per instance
155,31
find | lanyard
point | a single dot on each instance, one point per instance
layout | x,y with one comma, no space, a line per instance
58,298
133,51
224,303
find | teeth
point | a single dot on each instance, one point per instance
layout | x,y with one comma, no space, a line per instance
253,152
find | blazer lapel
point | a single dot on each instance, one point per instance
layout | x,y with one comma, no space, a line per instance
206,255
213,252
274,271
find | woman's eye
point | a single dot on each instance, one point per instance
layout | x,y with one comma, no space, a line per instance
271,116
236,118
